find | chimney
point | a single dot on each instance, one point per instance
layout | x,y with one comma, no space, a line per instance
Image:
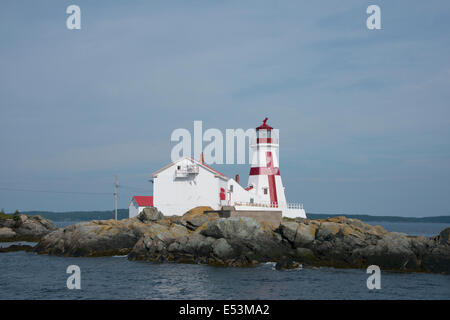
202,158
237,178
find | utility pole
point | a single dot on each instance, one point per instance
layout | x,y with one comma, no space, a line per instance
116,184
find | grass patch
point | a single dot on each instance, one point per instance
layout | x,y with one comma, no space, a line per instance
4,216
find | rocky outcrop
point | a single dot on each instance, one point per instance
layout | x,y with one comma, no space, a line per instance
194,218
203,237
219,242
350,243
111,237
94,238
21,227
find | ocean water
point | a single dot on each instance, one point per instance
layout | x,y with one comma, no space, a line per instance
30,276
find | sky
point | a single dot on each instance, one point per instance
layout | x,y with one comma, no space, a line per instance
363,115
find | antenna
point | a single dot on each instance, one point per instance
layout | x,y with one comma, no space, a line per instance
116,184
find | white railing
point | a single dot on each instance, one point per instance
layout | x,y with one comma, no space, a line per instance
257,204
270,205
185,171
295,205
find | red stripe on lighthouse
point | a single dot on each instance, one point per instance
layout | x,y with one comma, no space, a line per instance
261,171
273,190
271,177
270,171
264,140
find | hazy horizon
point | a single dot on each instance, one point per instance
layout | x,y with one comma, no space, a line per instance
318,213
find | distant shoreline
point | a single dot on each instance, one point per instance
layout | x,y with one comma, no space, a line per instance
369,218
123,213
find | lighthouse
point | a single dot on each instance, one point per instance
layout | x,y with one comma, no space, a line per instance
264,177
187,183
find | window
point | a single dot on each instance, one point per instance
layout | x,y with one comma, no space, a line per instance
178,167
265,190
252,200
231,188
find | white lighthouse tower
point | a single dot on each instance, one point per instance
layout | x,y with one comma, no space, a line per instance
265,186
265,178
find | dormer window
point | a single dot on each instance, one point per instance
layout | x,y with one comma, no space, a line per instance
231,188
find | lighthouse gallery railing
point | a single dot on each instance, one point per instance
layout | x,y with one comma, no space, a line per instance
270,205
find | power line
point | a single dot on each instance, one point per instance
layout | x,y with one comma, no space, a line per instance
52,191
133,188
74,192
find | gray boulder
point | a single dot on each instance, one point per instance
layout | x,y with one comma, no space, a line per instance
150,214
286,263
437,260
198,216
250,240
392,252
7,234
94,238
238,228
444,237
222,249
305,255
23,227
298,234
155,243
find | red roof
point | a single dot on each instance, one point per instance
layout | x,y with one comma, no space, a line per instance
144,201
217,172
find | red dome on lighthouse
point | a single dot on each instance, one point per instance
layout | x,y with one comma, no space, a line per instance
264,126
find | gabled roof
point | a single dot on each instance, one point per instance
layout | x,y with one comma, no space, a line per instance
219,174
144,201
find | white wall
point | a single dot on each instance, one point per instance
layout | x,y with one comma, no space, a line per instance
133,210
294,213
175,196
239,194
